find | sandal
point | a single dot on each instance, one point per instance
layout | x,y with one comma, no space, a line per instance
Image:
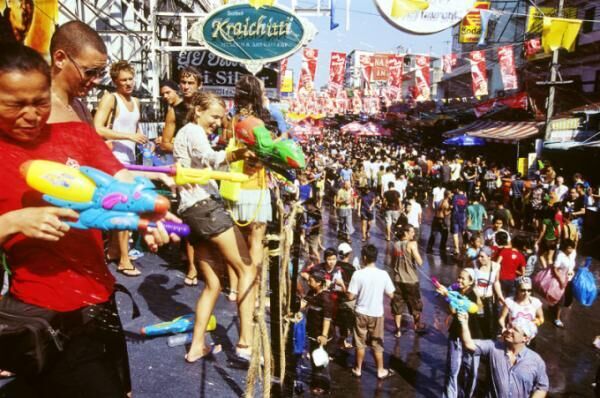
208,353
389,373
190,280
356,373
130,272
232,296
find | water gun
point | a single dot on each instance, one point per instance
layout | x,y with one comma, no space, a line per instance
185,175
457,301
180,324
282,156
102,201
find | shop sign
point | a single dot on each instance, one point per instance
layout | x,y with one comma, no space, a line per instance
470,26
424,17
251,36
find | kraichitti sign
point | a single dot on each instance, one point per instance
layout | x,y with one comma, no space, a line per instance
424,16
253,37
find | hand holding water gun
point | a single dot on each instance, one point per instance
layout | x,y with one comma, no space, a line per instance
186,175
281,156
457,301
102,201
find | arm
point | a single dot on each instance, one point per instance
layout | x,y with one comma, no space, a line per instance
502,319
168,133
539,394
322,339
106,106
415,252
539,316
498,288
468,342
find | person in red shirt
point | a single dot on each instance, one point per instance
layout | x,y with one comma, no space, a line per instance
52,266
512,264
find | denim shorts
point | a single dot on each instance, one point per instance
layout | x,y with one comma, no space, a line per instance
207,219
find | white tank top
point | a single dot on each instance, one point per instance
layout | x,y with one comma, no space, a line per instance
125,122
484,282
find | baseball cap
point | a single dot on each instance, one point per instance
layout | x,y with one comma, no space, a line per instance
528,328
344,248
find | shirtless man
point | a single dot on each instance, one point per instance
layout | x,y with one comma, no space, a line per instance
439,223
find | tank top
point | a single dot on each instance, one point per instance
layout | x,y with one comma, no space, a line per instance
125,121
403,264
484,281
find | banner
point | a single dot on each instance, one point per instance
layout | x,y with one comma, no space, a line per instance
517,101
535,17
282,68
478,73
366,68
380,68
506,60
30,22
287,85
309,68
533,46
422,78
560,33
448,62
337,70
470,26
395,68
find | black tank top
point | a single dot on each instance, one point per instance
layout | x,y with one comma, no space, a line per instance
181,111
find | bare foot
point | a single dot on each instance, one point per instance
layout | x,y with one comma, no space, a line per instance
194,355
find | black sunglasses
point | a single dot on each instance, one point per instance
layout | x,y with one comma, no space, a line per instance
526,290
88,73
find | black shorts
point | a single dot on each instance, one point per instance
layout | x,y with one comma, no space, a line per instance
207,218
407,295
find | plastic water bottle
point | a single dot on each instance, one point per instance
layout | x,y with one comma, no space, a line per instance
179,339
147,156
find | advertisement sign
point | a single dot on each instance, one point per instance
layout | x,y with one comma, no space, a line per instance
366,67
309,68
424,17
337,70
478,73
220,75
30,22
395,67
470,26
422,79
449,62
506,60
380,68
287,84
251,36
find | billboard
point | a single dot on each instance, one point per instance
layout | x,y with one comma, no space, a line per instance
470,26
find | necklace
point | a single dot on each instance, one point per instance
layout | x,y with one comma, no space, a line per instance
68,107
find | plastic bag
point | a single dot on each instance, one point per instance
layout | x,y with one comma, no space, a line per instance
299,336
546,284
584,284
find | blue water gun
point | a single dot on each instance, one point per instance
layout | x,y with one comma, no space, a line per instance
102,201
458,302
180,324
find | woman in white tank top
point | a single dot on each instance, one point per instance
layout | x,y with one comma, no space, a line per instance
488,290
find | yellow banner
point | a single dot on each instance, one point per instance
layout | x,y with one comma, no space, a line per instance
470,26
560,33
535,18
287,85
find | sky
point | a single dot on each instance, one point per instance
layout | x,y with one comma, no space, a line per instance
369,31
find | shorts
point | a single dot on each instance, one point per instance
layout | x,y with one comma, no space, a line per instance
206,219
459,226
406,295
368,330
366,215
391,217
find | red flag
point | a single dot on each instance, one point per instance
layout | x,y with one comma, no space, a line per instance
337,70
478,73
366,67
506,60
380,67
395,65
309,68
422,78
449,61
533,46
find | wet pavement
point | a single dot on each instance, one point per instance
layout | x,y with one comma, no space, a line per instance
419,361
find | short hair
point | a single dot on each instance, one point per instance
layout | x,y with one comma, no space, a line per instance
203,100
501,238
369,254
16,57
318,276
190,71
330,251
119,67
171,84
567,243
74,36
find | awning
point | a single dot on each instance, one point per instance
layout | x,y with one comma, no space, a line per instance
498,131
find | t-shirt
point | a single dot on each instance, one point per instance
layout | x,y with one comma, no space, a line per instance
346,174
413,214
392,197
512,260
565,263
459,206
438,195
369,285
71,273
476,214
318,308
526,310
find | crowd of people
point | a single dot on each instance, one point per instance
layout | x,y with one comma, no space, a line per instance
505,226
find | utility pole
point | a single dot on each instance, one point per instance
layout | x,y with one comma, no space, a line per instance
553,73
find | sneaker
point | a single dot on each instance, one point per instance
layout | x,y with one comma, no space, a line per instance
558,323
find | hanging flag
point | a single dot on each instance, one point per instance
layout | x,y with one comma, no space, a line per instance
486,17
536,14
401,8
422,78
337,70
366,68
380,69
332,23
560,33
260,3
533,46
478,73
309,68
395,66
471,25
448,62
506,60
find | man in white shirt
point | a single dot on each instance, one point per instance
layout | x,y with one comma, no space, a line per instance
386,179
438,194
455,170
401,184
368,286
560,190
414,215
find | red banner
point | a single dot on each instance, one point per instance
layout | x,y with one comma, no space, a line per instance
422,78
533,46
448,62
478,73
380,67
366,68
395,66
309,68
517,101
506,60
337,70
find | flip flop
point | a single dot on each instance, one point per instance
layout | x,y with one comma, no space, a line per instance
189,281
356,373
129,272
208,352
389,373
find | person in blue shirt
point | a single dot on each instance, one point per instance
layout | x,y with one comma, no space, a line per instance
459,217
